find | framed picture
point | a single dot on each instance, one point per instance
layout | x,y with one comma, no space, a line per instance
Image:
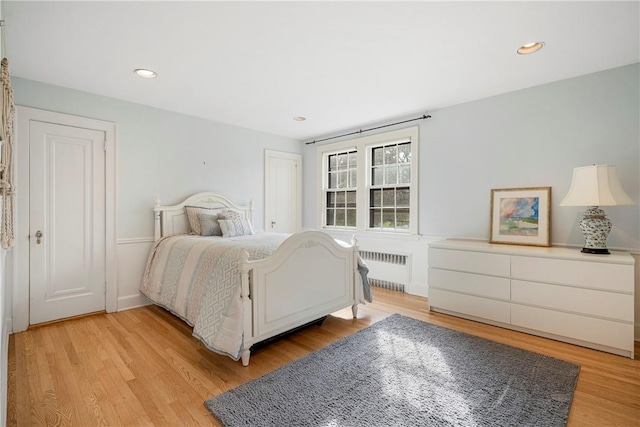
521,216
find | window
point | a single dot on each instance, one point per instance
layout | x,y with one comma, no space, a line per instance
370,183
390,189
342,180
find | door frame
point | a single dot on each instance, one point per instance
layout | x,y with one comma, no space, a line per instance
24,116
271,154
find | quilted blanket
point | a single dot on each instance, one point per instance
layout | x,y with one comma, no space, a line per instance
198,279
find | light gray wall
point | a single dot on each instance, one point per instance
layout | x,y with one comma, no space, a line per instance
166,154
529,138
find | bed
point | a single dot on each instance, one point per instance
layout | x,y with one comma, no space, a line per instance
237,291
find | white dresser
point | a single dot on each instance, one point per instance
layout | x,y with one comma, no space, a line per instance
557,293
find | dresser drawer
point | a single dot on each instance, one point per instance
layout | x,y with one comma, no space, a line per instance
484,308
597,331
598,275
470,262
583,301
467,283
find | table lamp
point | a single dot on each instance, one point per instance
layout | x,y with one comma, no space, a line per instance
596,185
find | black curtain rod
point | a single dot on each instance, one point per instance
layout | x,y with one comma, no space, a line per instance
424,116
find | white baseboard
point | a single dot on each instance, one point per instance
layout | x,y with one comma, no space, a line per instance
132,301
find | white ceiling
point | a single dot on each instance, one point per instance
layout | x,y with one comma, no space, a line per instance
340,64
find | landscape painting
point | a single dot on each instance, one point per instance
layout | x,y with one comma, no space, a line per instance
521,216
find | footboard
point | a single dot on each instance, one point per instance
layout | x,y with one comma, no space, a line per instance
309,276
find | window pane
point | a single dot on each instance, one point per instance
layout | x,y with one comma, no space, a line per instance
331,199
342,179
404,173
353,160
377,176
340,199
388,198
402,197
404,153
377,154
376,198
390,175
351,217
388,218
375,218
343,161
402,219
351,199
332,162
330,220
340,217
353,178
333,180
390,155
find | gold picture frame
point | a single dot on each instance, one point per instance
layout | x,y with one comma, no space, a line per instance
521,216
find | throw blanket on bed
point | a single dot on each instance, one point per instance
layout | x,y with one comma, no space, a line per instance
200,282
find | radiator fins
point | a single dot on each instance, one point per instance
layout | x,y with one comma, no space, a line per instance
386,285
384,257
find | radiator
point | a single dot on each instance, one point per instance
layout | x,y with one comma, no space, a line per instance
387,270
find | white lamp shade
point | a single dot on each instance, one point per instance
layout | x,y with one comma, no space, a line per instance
596,185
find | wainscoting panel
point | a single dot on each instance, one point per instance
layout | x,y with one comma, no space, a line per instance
410,250
5,329
132,259
636,256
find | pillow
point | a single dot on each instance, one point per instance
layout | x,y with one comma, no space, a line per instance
229,215
235,227
209,224
238,228
194,221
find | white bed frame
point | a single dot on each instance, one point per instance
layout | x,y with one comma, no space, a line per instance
308,277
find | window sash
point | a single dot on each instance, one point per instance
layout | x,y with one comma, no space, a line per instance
340,189
389,188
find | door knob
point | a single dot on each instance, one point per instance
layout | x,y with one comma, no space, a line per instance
273,224
38,237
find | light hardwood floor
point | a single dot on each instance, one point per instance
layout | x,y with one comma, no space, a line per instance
143,367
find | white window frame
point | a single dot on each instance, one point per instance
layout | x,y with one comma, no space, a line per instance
363,146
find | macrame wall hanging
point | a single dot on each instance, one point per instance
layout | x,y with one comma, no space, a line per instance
6,161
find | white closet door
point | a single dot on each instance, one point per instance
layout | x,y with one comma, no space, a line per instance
282,192
66,221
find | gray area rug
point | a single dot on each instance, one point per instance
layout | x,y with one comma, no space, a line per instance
405,372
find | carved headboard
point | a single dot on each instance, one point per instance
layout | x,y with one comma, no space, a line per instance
170,220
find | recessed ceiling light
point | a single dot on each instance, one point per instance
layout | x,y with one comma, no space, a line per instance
147,74
299,119
530,48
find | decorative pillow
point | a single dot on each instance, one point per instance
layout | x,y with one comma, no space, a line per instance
209,224
229,215
192,216
235,227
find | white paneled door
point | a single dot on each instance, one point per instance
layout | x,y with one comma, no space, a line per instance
282,192
67,246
